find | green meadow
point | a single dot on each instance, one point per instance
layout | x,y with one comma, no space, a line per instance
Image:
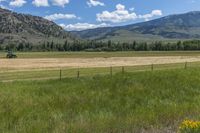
145,101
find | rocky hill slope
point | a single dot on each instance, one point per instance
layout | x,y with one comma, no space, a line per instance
17,28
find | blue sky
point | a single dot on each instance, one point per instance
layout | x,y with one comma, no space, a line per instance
86,14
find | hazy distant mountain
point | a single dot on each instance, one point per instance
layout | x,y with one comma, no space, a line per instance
182,26
15,28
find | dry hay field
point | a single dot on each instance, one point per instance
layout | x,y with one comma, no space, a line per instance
45,63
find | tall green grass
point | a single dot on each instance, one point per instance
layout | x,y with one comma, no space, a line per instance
155,101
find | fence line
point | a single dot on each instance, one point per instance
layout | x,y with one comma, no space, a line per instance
152,67
81,72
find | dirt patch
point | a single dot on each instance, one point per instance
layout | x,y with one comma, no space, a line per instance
23,64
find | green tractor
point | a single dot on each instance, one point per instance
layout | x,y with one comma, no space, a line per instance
11,55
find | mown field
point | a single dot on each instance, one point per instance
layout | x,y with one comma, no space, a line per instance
149,102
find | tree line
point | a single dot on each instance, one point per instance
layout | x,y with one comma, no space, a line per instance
104,46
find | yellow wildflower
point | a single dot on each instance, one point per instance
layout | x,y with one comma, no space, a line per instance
189,126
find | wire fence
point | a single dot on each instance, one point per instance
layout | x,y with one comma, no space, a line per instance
59,74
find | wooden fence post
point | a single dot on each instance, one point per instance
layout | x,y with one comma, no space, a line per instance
111,71
152,67
185,65
78,73
123,70
60,74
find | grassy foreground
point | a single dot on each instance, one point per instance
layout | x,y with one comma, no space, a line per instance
153,101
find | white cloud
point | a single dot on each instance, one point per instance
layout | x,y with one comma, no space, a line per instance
17,3
150,15
132,9
58,16
123,15
95,3
39,3
120,7
82,26
117,16
60,2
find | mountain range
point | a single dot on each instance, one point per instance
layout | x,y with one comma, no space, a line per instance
172,27
22,28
